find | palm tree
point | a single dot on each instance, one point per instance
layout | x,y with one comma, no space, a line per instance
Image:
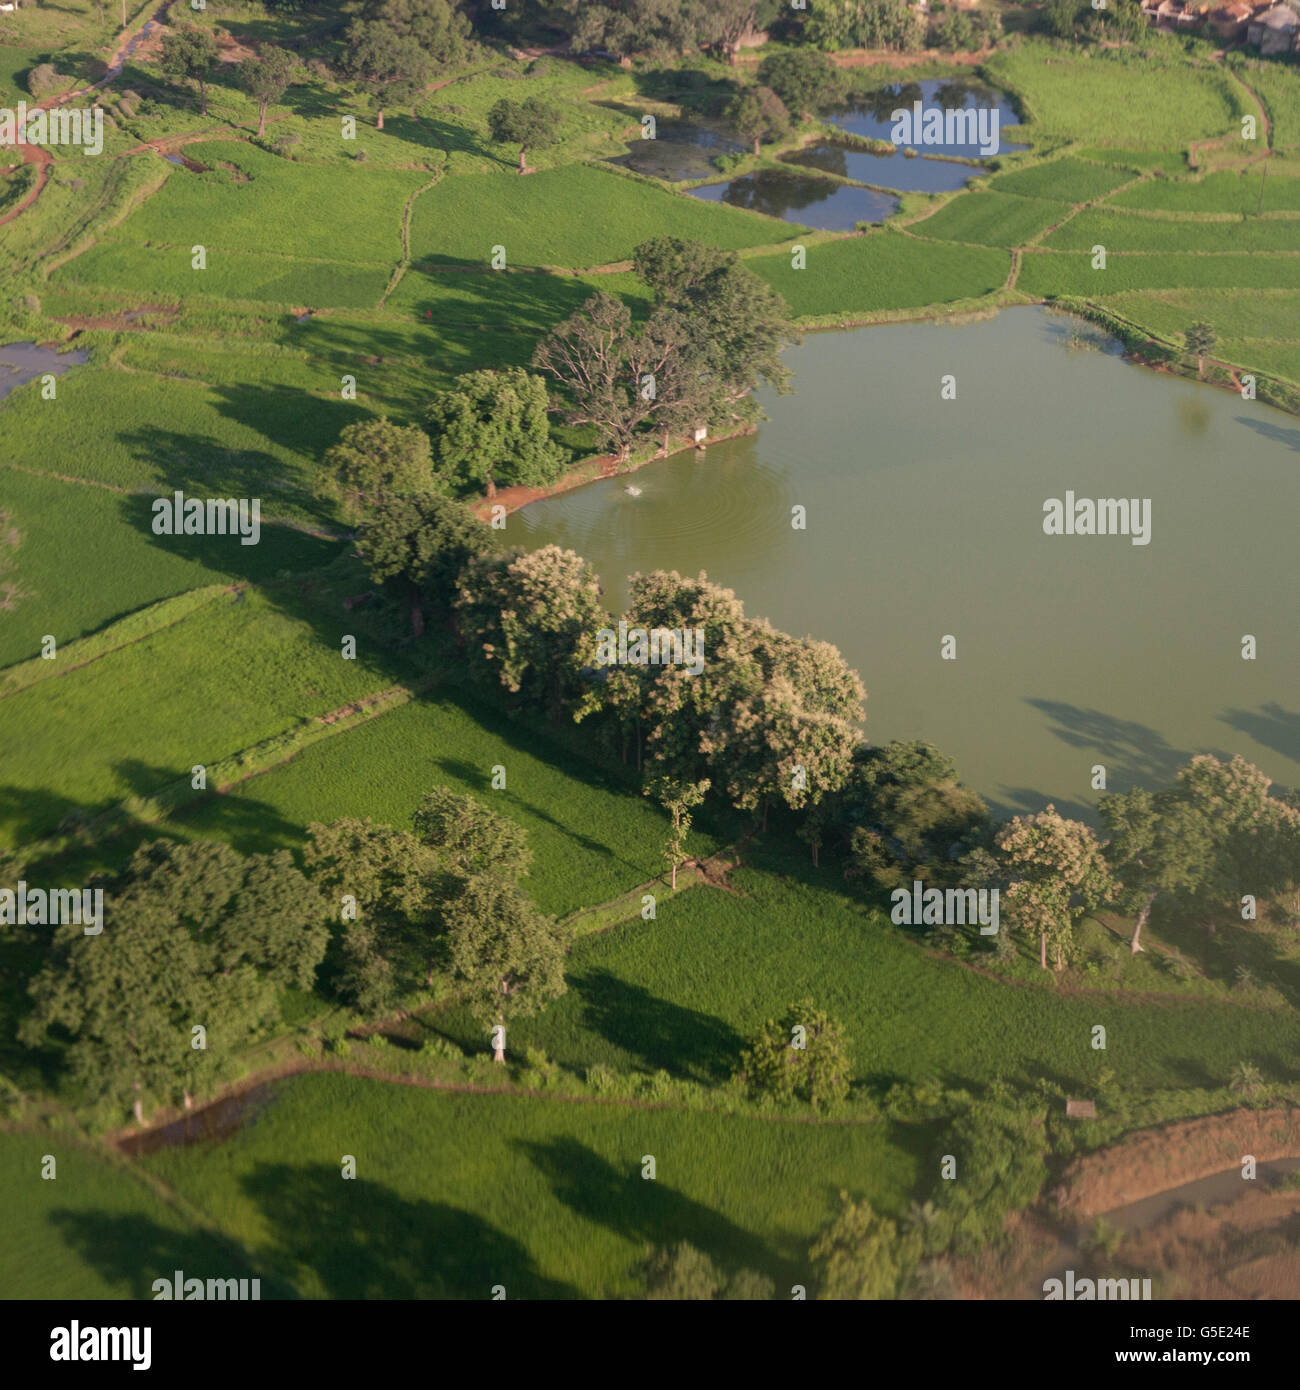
1245,1080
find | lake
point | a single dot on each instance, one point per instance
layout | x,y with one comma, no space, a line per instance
804,199
925,519
22,362
680,150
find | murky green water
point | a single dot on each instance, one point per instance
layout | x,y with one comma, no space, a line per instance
925,518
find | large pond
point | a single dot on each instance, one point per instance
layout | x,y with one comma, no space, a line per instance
802,198
925,519
869,114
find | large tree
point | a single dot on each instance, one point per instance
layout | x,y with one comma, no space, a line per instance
758,114
375,460
490,428
390,65
197,937
507,957
1056,876
266,78
860,1254
419,545
530,124
190,53
469,836
533,620
438,26
802,77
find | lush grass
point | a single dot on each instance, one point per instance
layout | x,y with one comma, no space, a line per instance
579,215
457,1193
882,271
1279,88
94,1230
1060,272
1171,312
591,834
1137,161
1105,96
992,219
1222,192
166,273
1120,231
275,206
233,673
684,991
117,569
1281,359
1073,180
142,431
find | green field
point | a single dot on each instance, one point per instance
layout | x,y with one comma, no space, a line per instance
457,1193
94,1230
1092,95
1074,180
882,271
1119,231
579,215
1061,272
685,992
1223,192
993,219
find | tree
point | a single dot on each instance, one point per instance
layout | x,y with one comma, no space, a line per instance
199,937
684,1273
758,114
1200,339
534,619
508,957
420,545
266,78
1245,1080
1061,17
803,1056
438,26
490,428
955,31
189,52
604,365
724,23
678,799
530,124
865,24
390,65
860,1254
375,460
1056,875
907,815
391,876
470,837
802,77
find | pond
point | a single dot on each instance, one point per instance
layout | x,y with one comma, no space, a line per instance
804,199
922,175
869,113
23,362
925,518
680,150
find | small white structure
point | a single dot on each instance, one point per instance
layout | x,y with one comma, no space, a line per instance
701,434
1275,31
632,491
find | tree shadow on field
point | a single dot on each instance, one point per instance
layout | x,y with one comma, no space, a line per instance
640,1210
362,1240
134,1251
204,465
1271,725
663,1035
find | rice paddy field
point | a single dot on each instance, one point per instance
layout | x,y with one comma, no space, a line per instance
374,260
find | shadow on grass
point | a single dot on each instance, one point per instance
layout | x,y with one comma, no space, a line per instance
135,1251
362,1240
682,1041
638,1210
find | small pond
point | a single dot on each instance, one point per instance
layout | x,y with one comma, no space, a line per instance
22,362
888,170
680,150
804,199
